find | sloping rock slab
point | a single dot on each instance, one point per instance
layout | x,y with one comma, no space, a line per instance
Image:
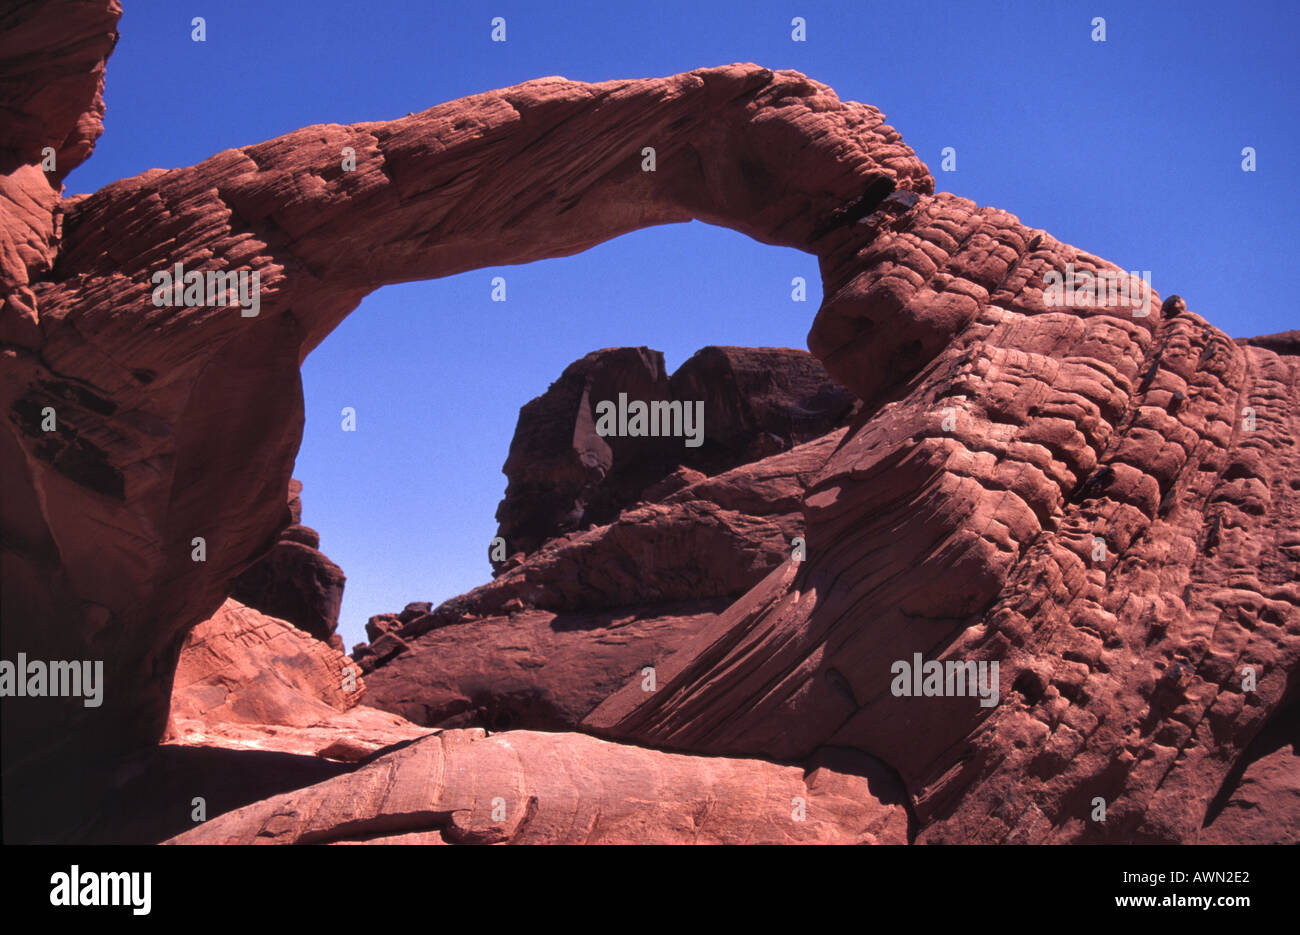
521,787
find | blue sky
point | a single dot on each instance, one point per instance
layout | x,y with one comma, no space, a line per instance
1130,149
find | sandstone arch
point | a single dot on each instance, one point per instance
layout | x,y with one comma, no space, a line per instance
179,422
176,423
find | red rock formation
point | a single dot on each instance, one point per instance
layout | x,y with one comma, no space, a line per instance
52,55
1260,802
1284,342
563,476
541,645
1102,500
243,665
1122,668
249,681
531,669
295,581
521,787
146,443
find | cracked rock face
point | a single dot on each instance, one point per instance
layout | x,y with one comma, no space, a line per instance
1103,499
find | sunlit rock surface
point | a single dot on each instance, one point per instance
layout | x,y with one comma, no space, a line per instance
1101,499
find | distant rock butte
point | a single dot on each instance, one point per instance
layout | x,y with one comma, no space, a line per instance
1102,500
563,476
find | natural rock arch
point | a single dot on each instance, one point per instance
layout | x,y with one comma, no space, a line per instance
966,538
176,423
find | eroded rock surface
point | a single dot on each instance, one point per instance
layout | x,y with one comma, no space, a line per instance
548,639
563,476
532,669
295,581
148,443
524,787
1102,499
1260,802
1110,517
52,57
246,681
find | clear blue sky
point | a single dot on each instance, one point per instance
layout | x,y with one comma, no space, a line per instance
1129,149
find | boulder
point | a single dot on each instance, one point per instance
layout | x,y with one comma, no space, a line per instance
525,787
295,581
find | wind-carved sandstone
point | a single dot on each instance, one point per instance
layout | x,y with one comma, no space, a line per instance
999,438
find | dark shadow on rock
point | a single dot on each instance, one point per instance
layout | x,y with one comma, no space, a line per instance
150,796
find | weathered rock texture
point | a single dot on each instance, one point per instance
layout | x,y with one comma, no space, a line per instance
1121,667
999,439
258,708
559,629
562,476
247,681
533,669
1284,342
295,581
52,55
183,422
243,665
1260,802
523,787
